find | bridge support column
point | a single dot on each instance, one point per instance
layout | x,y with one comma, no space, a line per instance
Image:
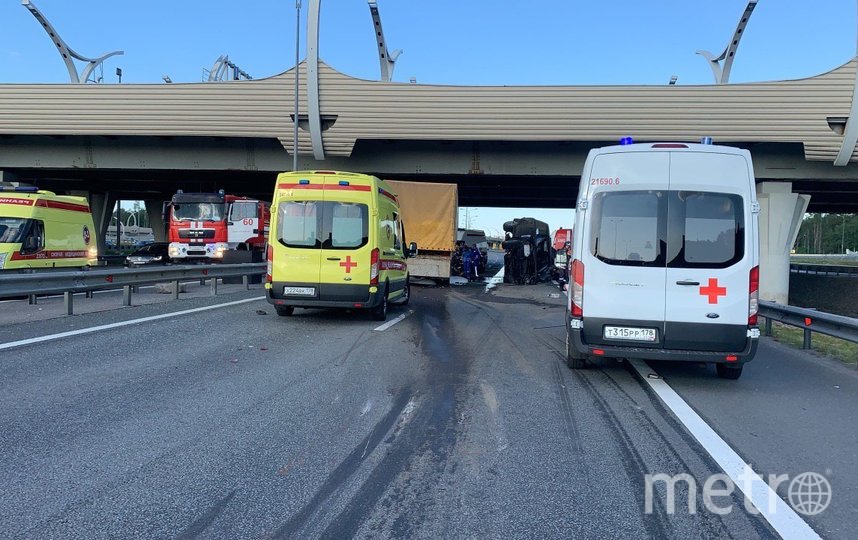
781,212
6,176
155,209
102,206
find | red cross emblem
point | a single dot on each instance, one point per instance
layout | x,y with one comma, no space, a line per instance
348,264
713,291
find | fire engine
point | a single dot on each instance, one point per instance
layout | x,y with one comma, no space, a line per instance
207,225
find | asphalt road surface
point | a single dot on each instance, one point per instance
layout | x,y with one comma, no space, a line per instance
460,420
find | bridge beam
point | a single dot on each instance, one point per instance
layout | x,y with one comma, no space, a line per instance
781,212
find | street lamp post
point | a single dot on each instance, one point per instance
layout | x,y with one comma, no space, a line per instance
297,72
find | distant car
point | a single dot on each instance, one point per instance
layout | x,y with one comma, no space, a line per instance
154,253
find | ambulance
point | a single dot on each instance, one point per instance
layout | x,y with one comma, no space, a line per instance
336,241
665,256
39,229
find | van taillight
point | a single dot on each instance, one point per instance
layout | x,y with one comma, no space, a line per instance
269,256
753,296
577,297
373,267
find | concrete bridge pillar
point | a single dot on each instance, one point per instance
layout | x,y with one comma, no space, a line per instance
155,208
102,206
6,176
781,212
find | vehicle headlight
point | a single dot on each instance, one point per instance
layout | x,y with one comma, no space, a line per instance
93,252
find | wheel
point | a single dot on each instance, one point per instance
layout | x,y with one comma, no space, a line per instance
574,359
379,313
729,372
406,294
284,311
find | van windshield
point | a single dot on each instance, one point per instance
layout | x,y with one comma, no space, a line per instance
13,230
677,229
322,225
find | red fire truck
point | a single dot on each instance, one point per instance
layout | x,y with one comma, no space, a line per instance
207,225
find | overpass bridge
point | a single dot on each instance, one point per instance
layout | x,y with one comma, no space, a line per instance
518,146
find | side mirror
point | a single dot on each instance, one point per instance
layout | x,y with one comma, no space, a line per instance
412,249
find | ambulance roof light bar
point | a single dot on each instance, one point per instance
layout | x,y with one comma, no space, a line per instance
17,187
626,140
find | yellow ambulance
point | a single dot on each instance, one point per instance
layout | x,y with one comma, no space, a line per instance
336,241
39,229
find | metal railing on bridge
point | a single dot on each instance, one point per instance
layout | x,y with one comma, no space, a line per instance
810,321
68,283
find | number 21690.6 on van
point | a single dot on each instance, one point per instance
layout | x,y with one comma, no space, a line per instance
336,240
665,256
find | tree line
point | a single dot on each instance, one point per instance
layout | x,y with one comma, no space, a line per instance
827,234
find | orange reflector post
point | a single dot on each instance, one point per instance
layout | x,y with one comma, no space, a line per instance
807,321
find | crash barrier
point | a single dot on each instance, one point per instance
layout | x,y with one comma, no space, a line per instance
128,279
823,269
810,321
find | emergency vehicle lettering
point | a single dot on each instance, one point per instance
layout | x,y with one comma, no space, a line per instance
386,264
605,181
713,291
12,200
51,254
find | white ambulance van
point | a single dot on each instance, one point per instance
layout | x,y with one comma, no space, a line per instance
665,256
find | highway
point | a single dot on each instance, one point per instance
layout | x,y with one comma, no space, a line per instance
458,420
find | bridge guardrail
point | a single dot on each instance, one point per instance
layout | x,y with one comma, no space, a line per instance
810,321
825,269
69,282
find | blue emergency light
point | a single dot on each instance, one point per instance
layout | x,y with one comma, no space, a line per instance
706,140
344,182
303,182
18,189
626,140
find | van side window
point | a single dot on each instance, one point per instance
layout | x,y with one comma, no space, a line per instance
34,241
706,230
627,228
397,232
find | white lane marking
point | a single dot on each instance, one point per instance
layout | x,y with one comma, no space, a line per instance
92,329
391,322
783,519
498,278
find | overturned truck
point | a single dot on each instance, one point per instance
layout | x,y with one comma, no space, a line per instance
528,252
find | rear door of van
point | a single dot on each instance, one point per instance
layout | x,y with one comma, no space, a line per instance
298,233
624,247
710,251
346,239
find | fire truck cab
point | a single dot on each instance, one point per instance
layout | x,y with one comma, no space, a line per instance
207,225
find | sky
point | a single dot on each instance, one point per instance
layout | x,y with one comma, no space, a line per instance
451,42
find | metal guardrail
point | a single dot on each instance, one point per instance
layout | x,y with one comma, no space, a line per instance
69,282
810,321
823,269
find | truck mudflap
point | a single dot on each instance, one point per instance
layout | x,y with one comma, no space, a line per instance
574,328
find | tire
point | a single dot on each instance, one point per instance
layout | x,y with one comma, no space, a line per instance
574,359
284,311
379,313
406,295
729,372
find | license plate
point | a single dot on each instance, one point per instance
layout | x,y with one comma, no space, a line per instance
630,333
300,291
